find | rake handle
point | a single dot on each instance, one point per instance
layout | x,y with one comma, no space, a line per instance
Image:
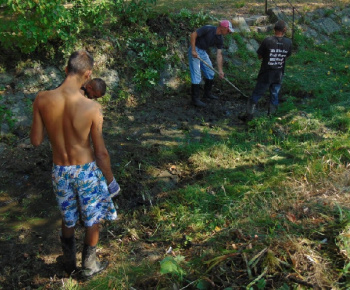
213,69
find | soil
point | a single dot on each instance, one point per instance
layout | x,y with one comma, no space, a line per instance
30,253
30,250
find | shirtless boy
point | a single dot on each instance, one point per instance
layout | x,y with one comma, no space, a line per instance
80,172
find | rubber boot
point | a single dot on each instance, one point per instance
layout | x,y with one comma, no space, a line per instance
272,110
69,254
91,265
207,90
195,90
250,110
249,115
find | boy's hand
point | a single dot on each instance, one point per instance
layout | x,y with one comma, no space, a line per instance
113,188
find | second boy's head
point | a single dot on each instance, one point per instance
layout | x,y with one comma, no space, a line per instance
95,88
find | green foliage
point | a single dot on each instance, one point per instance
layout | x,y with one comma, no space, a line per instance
148,61
239,4
170,265
134,11
32,23
193,20
88,14
6,115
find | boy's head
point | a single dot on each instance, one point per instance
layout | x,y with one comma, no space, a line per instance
280,26
81,63
95,88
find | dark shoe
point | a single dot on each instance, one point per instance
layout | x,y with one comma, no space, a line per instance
91,265
250,110
195,90
272,110
246,117
69,254
207,90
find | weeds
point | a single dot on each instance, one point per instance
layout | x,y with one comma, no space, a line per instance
259,207
258,197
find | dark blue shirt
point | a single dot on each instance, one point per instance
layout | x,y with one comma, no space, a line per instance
274,51
207,37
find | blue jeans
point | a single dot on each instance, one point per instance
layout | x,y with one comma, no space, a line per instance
260,89
196,66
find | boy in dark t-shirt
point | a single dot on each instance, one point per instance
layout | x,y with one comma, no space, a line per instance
273,51
201,39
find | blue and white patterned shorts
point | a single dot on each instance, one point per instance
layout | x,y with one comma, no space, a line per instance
82,188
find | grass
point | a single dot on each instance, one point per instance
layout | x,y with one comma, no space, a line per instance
233,7
264,205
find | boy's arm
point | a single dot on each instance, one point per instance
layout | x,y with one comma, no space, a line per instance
100,150
37,130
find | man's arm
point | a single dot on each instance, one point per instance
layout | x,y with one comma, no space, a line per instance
37,130
101,154
194,36
219,60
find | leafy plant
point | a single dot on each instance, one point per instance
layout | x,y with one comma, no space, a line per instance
148,61
6,115
30,24
170,265
134,11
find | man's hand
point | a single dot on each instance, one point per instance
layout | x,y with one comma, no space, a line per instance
113,188
194,54
221,74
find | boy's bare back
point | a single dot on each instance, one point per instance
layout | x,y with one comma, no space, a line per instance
69,118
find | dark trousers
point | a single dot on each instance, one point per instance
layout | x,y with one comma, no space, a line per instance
260,89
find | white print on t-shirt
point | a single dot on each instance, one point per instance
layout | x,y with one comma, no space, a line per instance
277,57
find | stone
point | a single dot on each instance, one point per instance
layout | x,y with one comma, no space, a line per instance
276,14
345,20
4,129
256,20
317,37
3,147
252,45
168,77
325,25
240,22
263,29
5,79
232,46
111,78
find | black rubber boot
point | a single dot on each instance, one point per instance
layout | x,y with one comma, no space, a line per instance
69,254
195,90
207,90
249,115
272,110
91,265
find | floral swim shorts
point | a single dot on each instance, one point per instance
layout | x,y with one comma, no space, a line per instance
82,188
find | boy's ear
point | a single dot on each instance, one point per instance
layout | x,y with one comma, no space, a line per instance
87,74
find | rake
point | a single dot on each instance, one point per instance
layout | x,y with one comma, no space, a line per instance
237,89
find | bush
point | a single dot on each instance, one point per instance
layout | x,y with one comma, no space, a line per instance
32,24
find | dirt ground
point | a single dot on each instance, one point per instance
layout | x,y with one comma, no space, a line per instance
30,251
